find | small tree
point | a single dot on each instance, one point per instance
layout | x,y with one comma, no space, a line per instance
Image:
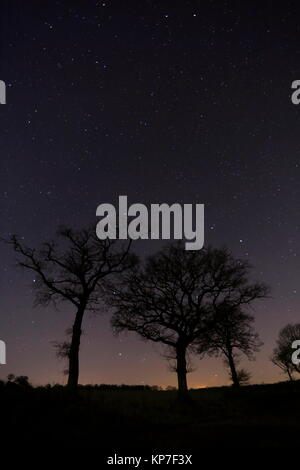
74,272
282,353
21,380
244,376
233,333
174,298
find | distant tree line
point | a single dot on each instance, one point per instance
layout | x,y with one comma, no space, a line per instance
22,382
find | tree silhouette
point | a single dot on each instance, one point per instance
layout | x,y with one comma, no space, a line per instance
73,271
243,376
232,333
174,298
20,380
282,353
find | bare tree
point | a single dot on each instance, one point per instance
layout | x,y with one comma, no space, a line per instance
282,353
73,271
174,298
233,333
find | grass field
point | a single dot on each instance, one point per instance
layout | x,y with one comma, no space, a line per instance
145,421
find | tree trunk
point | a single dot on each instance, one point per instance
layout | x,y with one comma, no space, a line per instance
74,350
289,374
233,372
181,371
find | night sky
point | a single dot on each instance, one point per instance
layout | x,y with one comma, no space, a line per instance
162,101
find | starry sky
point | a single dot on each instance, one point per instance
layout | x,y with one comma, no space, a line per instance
163,101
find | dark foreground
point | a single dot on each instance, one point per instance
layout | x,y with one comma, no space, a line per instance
135,422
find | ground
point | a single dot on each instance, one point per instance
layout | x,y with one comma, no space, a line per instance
136,422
